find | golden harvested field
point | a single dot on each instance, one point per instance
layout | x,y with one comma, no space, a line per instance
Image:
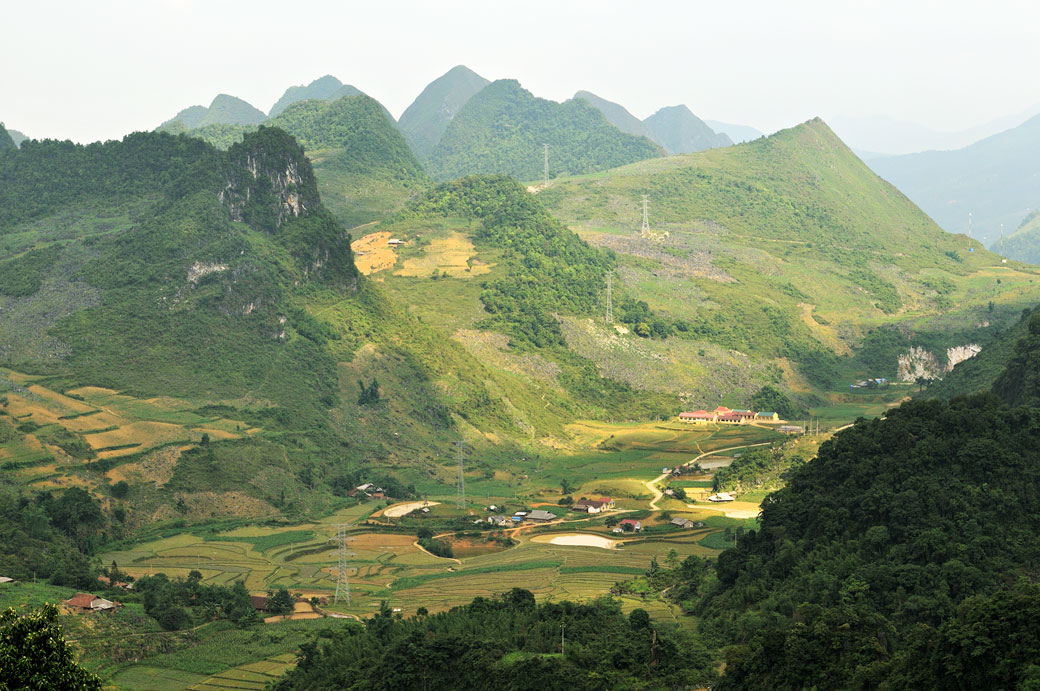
451,255
372,254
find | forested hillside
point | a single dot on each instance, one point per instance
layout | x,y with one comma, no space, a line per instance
426,119
681,132
217,287
503,128
890,561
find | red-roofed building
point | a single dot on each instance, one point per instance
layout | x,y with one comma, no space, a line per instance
722,410
634,526
88,602
698,417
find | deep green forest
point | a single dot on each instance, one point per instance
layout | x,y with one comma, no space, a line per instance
505,642
880,562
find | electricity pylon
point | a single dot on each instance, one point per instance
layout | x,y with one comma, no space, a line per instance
342,581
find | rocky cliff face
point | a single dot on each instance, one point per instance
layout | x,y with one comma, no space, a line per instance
269,180
920,363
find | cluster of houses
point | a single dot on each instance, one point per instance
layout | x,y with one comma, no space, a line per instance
536,516
728,416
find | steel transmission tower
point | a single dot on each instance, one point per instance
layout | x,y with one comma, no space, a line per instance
545,166
460,500
610,298
645,232
342,581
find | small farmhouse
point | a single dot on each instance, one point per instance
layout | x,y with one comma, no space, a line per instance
634,526
722,497
682,522
88,602
540,516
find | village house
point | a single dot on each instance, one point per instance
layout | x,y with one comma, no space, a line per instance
540,516
259,602
682,522
791,429
593,505
498,519
722,497
635,526
88,602
698,417
767,416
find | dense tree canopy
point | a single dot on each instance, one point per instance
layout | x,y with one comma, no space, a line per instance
35,657
507,642
873,546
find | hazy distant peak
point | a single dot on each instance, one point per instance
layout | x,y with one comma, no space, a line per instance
231,110
323,87
681,132
616,114
425,120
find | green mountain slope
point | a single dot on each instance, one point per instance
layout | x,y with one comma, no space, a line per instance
6,140
426,119
218,287
503,127
616,115
993,179
1024,243
323,88
787,247
363,164
978,374
682,132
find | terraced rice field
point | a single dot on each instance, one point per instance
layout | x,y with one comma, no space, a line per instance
253,675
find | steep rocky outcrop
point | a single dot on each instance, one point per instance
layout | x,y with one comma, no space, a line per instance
280,183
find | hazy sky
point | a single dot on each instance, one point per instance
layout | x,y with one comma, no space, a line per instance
97,70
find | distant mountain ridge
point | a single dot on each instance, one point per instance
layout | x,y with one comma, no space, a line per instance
738,133
425,120
223,110
682,132
326,88
996,180
503,128
617,115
